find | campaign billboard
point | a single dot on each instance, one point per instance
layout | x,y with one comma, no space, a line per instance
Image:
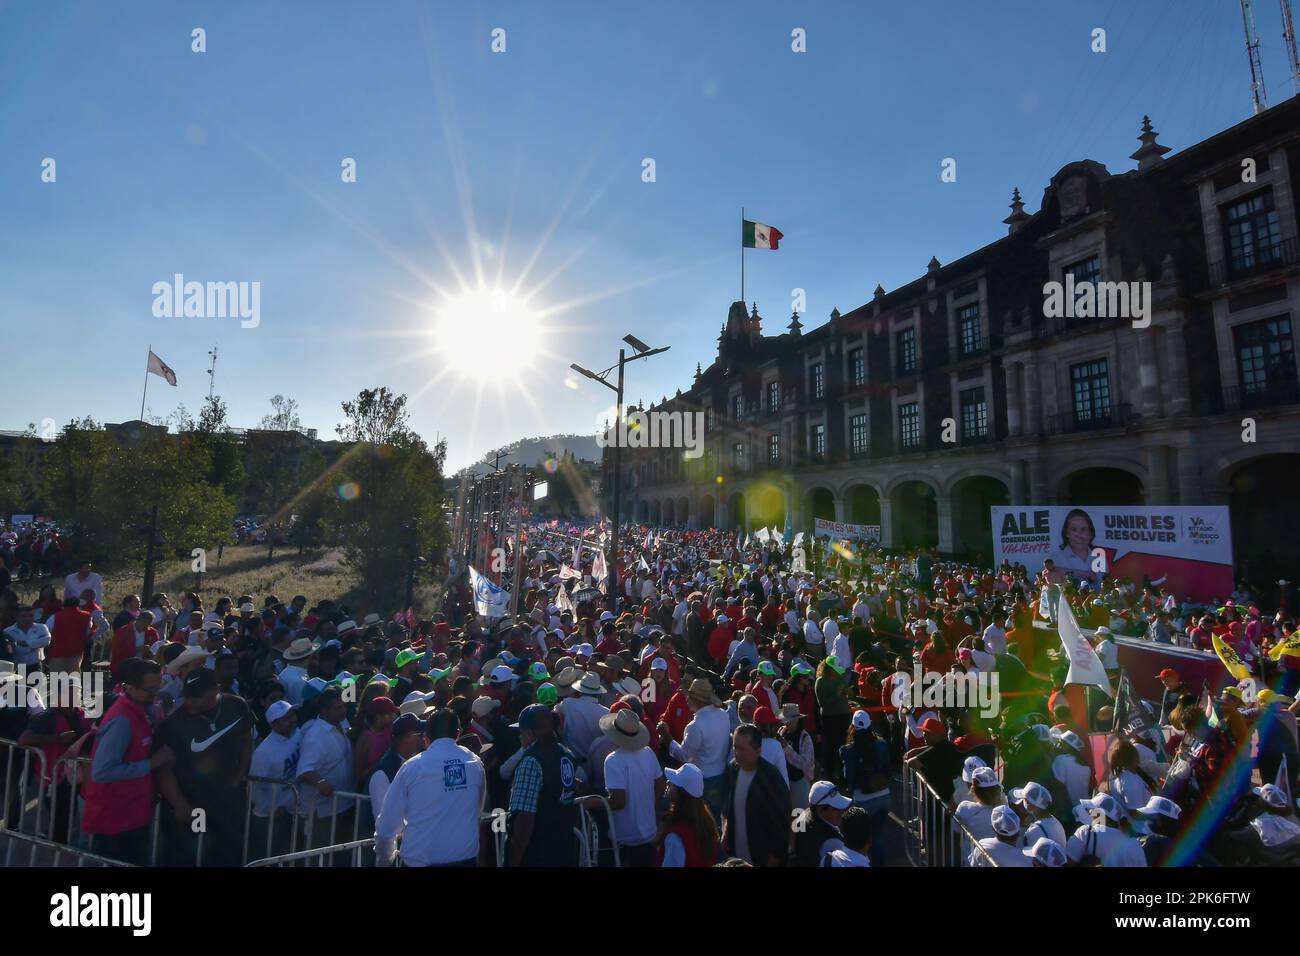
840,529
1189,546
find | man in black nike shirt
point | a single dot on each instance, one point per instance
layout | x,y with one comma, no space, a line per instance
211,736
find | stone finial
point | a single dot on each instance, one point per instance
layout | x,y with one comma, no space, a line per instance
795,326
880,290
1150,152
932,265
1018,215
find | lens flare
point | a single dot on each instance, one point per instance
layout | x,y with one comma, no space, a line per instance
349,491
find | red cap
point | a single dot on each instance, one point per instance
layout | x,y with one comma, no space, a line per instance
618,705
380,705
1168,672
764,715
933,725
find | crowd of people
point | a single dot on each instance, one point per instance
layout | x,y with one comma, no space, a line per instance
729,708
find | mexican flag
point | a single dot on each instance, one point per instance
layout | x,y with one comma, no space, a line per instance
756,235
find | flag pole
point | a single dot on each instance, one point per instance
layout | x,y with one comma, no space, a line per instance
146,383
742,253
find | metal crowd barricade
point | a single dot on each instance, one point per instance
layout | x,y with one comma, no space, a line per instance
277,788
588,831
310,824
490,817
320,853
58,851
934,837
22,813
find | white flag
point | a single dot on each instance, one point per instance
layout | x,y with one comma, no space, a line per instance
567,572
161,368
564,602
642,564
798,539
1085,665
762,534
598,572
780,541
490,600
746,544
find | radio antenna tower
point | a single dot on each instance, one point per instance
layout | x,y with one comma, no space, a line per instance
212,372
1257,92
1288,35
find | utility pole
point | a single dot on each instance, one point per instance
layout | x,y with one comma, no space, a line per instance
1288,36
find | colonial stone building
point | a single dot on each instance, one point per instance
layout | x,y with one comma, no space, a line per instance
921,408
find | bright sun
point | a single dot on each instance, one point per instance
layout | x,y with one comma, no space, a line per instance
487,329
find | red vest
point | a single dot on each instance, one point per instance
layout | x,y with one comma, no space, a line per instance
694,854
125,804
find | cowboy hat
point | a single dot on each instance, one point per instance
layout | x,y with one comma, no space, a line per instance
300,649
701,689
625,729
187,656
790,713
628,685
568,676
417,704
590,685
371,619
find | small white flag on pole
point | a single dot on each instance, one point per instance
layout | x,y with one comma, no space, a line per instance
598,572
490,600
1085,665
563,601
161,368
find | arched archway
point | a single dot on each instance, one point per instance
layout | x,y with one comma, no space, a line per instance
669,512
915,514
643,511
684,512
656,513
706,514
1264,511
818,503
861,505
1102,486
736,511
972,529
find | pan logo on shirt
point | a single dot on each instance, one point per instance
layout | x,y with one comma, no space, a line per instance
453,775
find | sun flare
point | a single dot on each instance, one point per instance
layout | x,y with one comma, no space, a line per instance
487,329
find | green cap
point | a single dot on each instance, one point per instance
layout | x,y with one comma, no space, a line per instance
537,671
438,673
546,694
404,658
834,664
767,669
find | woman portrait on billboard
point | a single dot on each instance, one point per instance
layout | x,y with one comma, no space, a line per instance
1075,554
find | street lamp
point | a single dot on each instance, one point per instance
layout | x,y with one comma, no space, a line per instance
643,351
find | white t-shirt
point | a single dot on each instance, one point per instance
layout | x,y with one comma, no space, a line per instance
1074,775
581,721
1113,847
635,773
1131,791
812,634
73,586
772,751
275,758
977,818
1049,827
1002,854
844,857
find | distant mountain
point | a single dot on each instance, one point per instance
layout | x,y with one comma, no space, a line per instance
530,451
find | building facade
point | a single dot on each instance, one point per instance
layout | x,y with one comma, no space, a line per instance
923,407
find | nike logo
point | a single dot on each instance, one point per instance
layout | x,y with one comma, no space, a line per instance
198,746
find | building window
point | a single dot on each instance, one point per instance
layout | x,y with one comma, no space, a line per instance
858,435
857,367
1266,357
710,419
974,414
1086,272
909,425
773,396
1252,233
773,449
818,442
905,344
738,407
969,333
738,454
817,382
1090,385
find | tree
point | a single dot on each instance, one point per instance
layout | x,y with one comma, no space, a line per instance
223,447
392,512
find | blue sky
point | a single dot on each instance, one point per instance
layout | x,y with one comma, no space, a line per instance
225,166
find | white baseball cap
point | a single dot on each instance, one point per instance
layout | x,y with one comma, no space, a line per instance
1033,794
984,777
1069,738
501,675
583,650
1161,806
1106,804
606,616
970,766
277,710
1004,820
823,794
659,664
861,720
687,777
1271,795
1047,852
